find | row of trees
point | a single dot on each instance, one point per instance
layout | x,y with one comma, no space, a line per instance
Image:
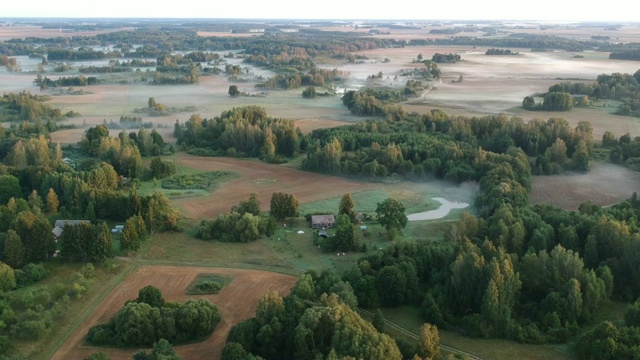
80,80
553,101
494,51
83,53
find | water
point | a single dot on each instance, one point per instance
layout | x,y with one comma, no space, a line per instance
440,212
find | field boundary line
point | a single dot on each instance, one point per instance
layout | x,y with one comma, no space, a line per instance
415,336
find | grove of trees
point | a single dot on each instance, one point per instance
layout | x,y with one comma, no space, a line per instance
148,319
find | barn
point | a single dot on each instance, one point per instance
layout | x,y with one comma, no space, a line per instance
323,221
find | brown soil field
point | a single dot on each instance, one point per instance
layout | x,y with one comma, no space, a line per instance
236,302
308,125
226,34
23,31
605,184
262,179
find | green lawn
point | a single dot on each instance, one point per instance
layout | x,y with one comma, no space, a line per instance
186,182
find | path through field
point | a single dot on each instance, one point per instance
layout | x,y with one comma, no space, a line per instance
236,302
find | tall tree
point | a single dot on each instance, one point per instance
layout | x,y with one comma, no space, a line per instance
9,187
345,238
100,244
52,202
429,344
346,207
284,205
34,200
13,254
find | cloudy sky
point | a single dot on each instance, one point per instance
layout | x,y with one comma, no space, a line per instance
551,10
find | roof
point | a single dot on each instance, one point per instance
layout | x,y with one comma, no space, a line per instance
323,219
62,223
57,231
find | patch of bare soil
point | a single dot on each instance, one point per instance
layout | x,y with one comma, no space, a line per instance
24,31
262,179
236,302
605,184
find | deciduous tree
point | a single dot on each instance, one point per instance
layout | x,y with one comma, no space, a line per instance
284,205
391,214
346,207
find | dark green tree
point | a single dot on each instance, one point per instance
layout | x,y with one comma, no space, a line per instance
345,238
233,351
391,214
378,321
346,207
9,187
233,90
150,295
284,205
14,253
251,206
162,350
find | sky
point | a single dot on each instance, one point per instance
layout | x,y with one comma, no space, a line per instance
541,10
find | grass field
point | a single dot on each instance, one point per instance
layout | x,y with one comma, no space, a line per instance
205,284
494,349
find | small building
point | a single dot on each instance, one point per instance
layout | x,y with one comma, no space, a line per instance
60,224
322,221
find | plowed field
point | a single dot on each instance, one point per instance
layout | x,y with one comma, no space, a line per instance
236,302
262,179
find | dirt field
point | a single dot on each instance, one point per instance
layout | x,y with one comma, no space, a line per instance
236,302
605,184
263,179
23,31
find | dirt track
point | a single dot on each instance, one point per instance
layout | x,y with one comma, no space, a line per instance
236,302
262,179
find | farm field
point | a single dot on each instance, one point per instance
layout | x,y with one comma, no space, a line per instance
236,302
605,184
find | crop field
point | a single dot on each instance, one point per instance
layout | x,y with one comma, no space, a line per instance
262,179
605,184
236,302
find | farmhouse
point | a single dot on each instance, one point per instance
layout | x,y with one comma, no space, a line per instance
59,225
322,221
